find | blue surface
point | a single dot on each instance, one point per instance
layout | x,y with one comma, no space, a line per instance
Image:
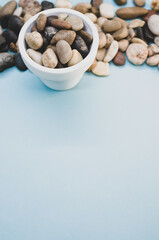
81,164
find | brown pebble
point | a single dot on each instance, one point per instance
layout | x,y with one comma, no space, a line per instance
8,8
95,11
119,59
148,15
121,2
67,35
32,7
139,3
60,24
34,28
131,12
82,7
86,36
111,26
120,34
41,22
13,47
96,3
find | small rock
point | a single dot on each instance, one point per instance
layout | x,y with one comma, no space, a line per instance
148,15
34,40
96,3
156,41
10,36
34,28
81,46
123,22
138,40
155,5
32,7
6,61
18,12
140,33
112,51
2,41
15,23
111,26
131,12
26,17
109,40
101,69
139,3
63,4
8,8
153,23
100,21
76,58
92,66
148,35
4,48
119,59
75,22
35,56
53,47
95,11
121,2
67,35
49,32
63,16
23,3
153,49
92,17
49,58
47,5
101,54
98,27
123,45
19,62
64,51
41,22
120,34
86,37
102,40
153,61
82,7
12,47
137,53
131,33
4,21
49,20
136,23
106,10
60,24
1,30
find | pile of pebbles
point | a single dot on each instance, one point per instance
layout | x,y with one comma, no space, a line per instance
136,40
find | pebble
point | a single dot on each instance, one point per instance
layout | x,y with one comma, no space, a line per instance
63,4
76,58
153,49
140,33
120,34
12,47
47,5
18,11
112,51
92,66
34,40
1,30
138,40
131,33
60,24
101,69
102,40
32,7
19,63
35,56
148,15
137,53
95,11
153,23
63,16
92,17
123,22
96,3
131,12
111,26
64,51
109,40
6,61
23,3
156,41
119,59
67,35
153,61
106,10
101,54
123,45
10,36
136,23
148,35
49,58
26,17
75,22
101,20
2,41
49,32
86,37
82,7
139,3
98,27
49,19
81,46
8,8
41,22
15,23
4,48
155,5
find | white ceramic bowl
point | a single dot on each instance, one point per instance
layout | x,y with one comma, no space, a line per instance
66,78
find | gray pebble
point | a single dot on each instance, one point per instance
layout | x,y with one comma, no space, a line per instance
81,46
6,61
64,51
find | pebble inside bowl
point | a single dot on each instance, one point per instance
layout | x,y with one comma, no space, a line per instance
62,78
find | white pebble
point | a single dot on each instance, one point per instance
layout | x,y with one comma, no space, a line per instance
112,51
18,11
153,61
153,23
137,53
92,17
49,58
156,40
76,58
106,10
35,56
101,69
63,4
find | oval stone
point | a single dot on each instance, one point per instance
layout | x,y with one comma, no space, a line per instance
64,51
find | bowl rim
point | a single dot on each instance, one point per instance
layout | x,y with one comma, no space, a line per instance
44,69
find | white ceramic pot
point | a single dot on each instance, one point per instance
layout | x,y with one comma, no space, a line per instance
66,78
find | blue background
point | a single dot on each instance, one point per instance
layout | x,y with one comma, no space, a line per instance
80,164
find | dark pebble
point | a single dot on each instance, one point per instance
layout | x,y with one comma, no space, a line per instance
148,15
47,5
4,21
140,33
4,48
19,62
15,24
49,32
96,3
10,36
2,40
148,35
49,20
81,46
86,37
6,61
